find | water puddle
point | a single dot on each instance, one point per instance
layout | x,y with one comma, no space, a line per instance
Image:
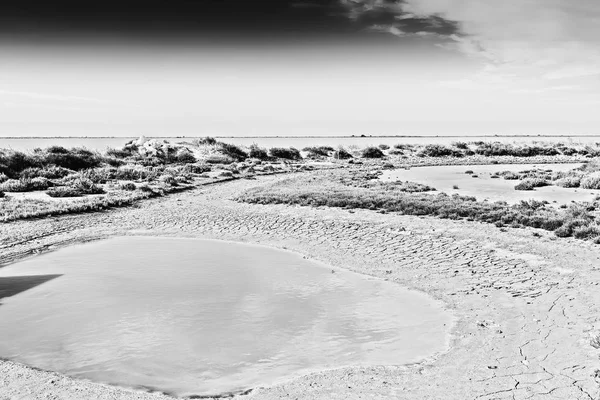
197,317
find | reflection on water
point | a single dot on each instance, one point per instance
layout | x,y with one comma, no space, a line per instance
483,187
190,316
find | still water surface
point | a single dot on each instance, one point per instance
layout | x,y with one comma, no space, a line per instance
191,316
483,187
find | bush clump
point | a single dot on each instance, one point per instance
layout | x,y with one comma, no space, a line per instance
64,191
258,153
592,181
233,151
531,184
342,154
75,159
568,182
288,154
372,152
129,186
25,185
48,172
438,150
318,151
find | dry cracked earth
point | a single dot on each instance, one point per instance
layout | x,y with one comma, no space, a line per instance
526,307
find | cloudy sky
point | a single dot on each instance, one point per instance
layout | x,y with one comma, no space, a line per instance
299,67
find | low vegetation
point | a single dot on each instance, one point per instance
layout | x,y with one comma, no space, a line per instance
359,190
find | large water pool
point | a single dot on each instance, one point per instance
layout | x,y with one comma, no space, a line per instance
198,317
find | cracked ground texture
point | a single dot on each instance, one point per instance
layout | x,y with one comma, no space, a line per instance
526,307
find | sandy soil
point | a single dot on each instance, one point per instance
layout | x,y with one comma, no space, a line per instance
526,306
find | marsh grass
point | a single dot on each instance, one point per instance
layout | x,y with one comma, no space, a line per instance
329,191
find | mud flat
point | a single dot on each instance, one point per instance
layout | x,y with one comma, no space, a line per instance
527,307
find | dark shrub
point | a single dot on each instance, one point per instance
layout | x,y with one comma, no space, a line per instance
168,180
342,154
197,168
232,151
86,186
129,186
13,162
64,191
460,145
2,194
184,157
205,141
531,184
384,147
219,159
75,159
469,172
258,153
119,153
288,154
372,152
437,150
318,151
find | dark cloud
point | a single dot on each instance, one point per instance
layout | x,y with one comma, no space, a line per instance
233,18
267,20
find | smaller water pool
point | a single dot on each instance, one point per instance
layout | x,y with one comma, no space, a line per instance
443,178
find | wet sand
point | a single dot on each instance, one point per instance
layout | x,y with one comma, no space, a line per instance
526,306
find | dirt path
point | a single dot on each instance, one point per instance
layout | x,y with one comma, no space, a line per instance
526,306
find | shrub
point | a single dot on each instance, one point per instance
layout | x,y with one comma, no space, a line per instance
318,151
531,184
341,154
184,157
568,182
49,172
129,186
384,147
119,153
13,162
205,141
64,191
289,154
168,180
75,159
2,194
592,181
3,177
509,175
219,159
86,186
469,172
586,232
136,173
258,153
232,151
437,150
25,185
460,145
372,152
196,168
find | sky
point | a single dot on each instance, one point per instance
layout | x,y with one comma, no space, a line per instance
299,67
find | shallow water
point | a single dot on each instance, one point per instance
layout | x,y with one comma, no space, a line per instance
191,316
443,178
